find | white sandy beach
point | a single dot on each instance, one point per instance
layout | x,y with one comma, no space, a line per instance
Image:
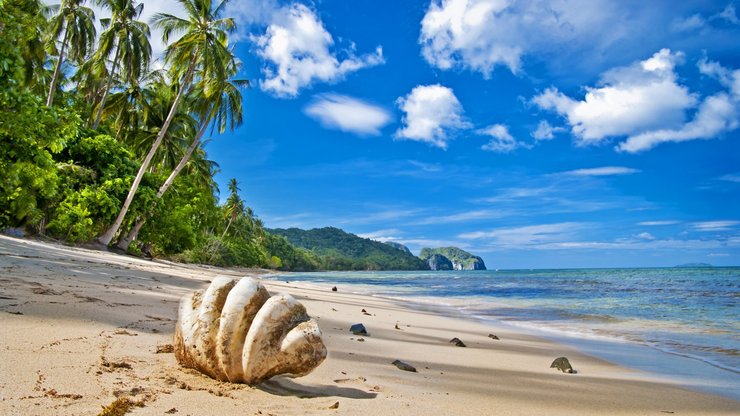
79,328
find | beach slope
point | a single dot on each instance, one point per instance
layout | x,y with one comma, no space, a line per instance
80,329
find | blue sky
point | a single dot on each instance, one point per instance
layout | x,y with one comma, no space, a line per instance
577,133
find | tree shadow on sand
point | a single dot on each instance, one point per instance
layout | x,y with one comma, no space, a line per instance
286,387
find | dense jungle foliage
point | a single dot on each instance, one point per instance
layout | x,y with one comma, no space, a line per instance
339,250
95,144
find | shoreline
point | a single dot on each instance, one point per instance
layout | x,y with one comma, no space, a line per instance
650,363
79,328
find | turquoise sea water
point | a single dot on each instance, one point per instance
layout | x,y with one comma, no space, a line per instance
692,313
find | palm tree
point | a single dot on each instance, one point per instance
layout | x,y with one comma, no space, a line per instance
129,37
234,206
204,44
181,131
74,24
90,80
131,105
32,49
223,109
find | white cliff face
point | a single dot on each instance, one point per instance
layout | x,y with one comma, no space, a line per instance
235,331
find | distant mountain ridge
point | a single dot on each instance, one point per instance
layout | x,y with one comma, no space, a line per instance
340,250
693,265
451,258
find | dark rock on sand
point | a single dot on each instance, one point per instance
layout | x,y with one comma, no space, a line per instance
358,329
457,341
493,336
562,364
404,366
334,289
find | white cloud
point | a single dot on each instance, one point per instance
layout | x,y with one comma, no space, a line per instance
730,177
645,236
432,113
602,171
527,235
462,32
382,235
296,47
426,167
634,244
634,99
729,14
482,34
646,103
690,23
717,114
467,216
249,12
348,114
715,225
545,131
501,140
658,223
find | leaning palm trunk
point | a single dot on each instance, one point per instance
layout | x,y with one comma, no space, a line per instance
57,69
107,88
106,238
134,233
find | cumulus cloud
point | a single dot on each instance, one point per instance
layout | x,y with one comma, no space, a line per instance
602,171
717,114
501,140
482,34
545,131
297,50
646,103
432,113
348,114
638,98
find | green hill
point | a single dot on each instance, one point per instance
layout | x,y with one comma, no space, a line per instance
339,250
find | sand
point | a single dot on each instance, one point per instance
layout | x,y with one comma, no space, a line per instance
80,328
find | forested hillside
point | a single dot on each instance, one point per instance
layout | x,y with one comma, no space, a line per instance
339,250
98,145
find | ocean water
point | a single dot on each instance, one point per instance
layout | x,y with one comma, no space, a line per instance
689,313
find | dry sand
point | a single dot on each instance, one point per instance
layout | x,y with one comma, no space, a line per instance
79,328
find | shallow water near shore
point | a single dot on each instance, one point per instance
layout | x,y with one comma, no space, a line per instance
681,324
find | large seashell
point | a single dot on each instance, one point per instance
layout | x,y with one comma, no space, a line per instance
235,331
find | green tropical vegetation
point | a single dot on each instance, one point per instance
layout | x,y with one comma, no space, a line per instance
339,250
94,142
